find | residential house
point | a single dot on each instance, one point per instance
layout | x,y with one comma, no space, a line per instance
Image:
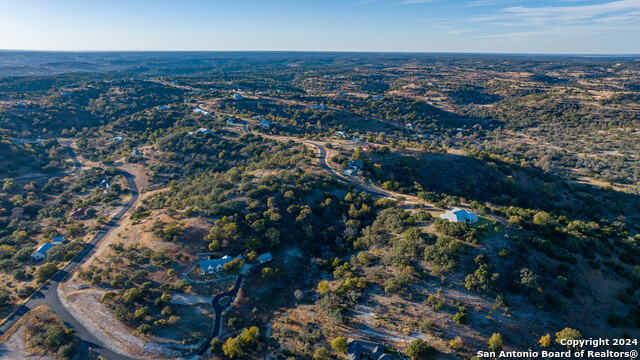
353,167
117,138
238,97
457,215
41,251
201,112
163,107
230,120
409,126
135,153
204,131
319,107
216,265
370,147
341,135
377,97
265,124
366,350
57,240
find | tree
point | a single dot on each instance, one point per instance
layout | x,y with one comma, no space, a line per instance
568,334
233,265
4,298
545,341
233,348
542,218
495,342
249,336
268,273
420,350
143,329
46,271
214,245
252,257
323,287
339,344
322,353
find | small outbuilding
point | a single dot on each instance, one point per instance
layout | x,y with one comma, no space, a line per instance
265,258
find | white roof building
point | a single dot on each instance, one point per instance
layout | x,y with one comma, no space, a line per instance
41,251
215,265
238,97
201,112
457,215
204,131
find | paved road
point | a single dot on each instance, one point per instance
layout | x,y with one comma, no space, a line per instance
48,293
324,164
218,308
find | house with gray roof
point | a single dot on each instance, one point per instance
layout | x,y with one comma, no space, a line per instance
216,265
366,350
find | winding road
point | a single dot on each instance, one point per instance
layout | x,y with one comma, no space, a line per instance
48,293
218,308
324,164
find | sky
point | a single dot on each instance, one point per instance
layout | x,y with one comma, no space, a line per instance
468,26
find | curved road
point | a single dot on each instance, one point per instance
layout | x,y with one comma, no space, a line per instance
324,164
215,303
48,293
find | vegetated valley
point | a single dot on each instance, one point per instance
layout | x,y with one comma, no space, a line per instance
296,199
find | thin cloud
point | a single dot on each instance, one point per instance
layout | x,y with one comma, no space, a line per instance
577,12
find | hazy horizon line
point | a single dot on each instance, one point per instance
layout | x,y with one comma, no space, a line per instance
327,51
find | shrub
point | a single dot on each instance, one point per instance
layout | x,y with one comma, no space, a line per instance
421,350
143,329
495,342
456,343
233,348
45,271
461,316
568,334
339,344
321,353
545,341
